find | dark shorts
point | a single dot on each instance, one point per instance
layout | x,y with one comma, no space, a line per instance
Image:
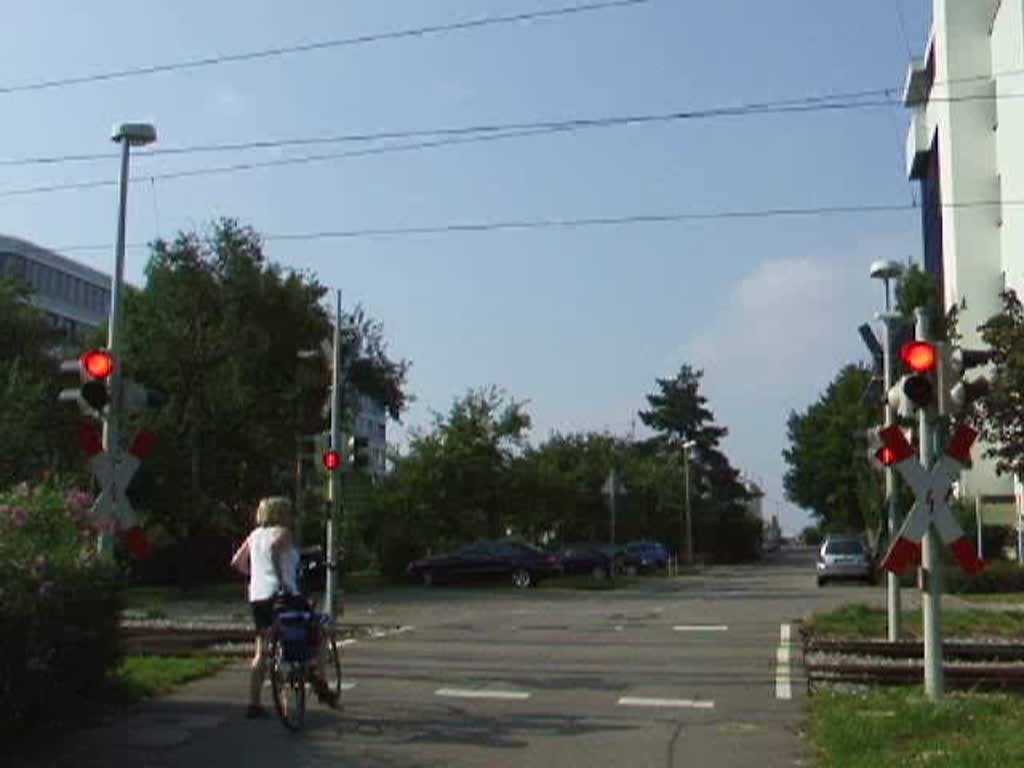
263,613
263,610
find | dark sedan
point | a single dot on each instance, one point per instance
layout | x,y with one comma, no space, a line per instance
522,564
596,560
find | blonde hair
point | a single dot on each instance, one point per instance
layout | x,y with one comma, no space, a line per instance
274,510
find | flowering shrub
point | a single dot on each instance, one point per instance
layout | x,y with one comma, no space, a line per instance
58,607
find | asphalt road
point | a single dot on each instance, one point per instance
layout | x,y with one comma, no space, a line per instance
687,672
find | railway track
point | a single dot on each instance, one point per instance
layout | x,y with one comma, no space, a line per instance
967,665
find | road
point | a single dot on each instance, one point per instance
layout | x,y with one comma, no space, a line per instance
685,672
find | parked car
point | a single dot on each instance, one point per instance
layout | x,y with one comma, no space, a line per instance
597,560
522,564
646,556
845,557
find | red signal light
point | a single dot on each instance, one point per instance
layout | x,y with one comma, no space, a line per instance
332,459
98,363
918,356
886,455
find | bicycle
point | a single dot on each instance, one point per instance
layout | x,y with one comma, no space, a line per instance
292,652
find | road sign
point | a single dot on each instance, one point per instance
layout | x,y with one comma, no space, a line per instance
612,485
112,505
931,490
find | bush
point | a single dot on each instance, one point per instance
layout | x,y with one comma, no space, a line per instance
58,609
998,577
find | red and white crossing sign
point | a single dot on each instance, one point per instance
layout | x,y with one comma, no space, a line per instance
112,503
931,490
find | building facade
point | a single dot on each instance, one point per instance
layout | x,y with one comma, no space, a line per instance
964,148
75,298
371,422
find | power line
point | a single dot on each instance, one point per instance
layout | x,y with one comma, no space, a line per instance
588,222
267,53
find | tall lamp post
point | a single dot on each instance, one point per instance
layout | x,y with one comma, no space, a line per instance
887,271
687,447
128,135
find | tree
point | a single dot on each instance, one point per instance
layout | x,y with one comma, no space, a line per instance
678,413
219,327
826,472
36,435
1000,413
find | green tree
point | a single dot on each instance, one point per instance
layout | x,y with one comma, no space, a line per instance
219,327
678,413
1000,412
828,472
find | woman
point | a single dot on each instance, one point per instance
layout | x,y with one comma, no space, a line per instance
269,557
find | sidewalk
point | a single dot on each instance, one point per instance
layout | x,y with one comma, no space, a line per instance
201,724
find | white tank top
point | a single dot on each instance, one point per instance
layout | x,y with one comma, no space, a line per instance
263,583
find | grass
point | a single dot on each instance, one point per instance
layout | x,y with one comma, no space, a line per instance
142,677
893,727
862,621
157,599
1005,597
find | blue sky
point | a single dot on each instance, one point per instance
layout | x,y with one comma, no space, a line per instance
578,322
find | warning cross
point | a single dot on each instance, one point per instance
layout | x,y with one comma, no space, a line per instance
931,489
112,503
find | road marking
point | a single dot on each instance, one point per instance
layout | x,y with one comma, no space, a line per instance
701,628
644,701
347,686
348,641
783,675
476,693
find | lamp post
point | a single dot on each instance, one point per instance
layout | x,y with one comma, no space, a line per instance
687,447
887,271
128,135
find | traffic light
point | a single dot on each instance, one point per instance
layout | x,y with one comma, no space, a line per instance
360,452
331,460
877,452
918,388
94,368
955,391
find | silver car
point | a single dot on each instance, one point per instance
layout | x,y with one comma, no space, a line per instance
845,557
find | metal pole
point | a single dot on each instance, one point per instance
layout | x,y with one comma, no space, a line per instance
931,567
611,496
689,515
112,424
334,476
977,522
892,581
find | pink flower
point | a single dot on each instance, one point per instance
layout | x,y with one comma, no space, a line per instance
18,516
78,500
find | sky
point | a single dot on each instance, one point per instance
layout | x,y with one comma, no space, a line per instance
579,322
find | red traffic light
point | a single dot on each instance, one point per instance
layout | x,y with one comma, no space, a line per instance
918,356
886,455
332,459
98,363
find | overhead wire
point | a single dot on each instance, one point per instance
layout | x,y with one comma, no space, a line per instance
278,51
589,222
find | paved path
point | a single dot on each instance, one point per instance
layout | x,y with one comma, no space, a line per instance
689,672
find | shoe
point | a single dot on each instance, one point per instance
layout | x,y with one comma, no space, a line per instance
324,694
256,712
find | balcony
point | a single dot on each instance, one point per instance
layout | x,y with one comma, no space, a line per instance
919,144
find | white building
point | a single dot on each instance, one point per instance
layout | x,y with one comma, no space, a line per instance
966,148
75,298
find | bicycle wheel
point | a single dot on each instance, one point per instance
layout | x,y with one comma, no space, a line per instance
333,667
288,684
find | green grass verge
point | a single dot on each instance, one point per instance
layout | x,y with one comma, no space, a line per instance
1004,597
157,599
898,727
862,621
142,677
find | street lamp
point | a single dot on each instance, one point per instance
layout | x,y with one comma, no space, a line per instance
128,135
887,271
687,447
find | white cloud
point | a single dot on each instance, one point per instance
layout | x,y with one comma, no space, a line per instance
780,336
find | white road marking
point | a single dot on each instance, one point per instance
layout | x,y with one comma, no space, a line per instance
347,686
476,693
644,701
348,641
783,675
701,628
